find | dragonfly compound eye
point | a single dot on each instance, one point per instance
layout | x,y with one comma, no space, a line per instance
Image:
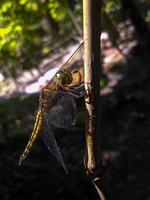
65,78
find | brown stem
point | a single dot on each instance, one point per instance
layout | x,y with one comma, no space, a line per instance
93,160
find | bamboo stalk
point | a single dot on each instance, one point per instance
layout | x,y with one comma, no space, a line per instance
92,80
91,27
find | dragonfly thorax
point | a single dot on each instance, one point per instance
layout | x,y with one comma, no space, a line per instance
64,78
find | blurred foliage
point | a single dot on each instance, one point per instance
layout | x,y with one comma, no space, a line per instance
19,34
26,32
112,8
30,28
148,16
22,31
103,83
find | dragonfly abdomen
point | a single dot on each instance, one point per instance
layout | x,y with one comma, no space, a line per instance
36,131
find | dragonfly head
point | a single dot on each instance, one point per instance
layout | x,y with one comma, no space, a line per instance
64,78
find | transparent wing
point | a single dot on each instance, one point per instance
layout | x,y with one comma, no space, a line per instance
63,115
50,142
77,56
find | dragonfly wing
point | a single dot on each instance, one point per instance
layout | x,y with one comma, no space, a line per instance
50,142
76,56
63,114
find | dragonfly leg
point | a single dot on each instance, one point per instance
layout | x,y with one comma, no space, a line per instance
72,92
75,86
72,88
76,91
77,94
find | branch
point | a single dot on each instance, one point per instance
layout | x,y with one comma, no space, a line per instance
93,160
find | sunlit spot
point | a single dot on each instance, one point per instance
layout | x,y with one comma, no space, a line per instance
1,77
36,87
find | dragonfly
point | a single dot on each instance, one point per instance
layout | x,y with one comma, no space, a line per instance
57,104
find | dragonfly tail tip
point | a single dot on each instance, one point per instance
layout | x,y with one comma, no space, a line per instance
22,157
66,171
